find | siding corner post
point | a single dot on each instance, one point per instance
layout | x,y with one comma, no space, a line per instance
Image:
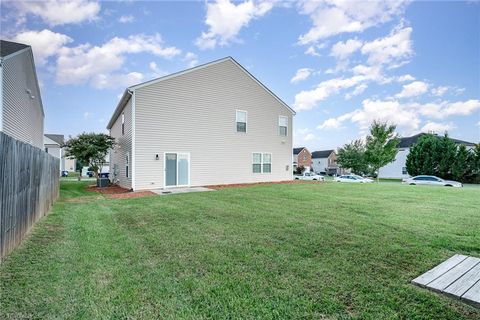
1,93
134,187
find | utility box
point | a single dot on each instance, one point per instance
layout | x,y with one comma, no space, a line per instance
102,182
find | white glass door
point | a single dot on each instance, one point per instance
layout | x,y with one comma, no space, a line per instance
177,169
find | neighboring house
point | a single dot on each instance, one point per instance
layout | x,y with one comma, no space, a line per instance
22,113
398,168
53,145
302,158
325,161
212,124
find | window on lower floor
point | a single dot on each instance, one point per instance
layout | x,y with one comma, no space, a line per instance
261,162
404,170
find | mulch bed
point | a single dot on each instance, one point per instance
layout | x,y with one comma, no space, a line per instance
117,192
237,185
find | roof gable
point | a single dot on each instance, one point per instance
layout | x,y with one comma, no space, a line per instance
8,47
298,150
126,94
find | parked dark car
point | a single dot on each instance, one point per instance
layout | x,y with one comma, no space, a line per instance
90,174
104,175
64,173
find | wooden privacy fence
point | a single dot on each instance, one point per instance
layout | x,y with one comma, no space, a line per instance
29,186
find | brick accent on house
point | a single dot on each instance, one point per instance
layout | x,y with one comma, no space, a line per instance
304,158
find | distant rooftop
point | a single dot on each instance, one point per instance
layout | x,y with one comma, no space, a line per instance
8,47
321,154
297,150
58,138
407,142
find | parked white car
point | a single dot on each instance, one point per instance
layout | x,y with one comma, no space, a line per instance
309,176
352,178
432,181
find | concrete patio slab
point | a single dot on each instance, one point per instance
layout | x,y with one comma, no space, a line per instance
164,192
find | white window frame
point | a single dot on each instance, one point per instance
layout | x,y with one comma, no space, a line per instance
262,163
279,126
127,165
236,120
165,170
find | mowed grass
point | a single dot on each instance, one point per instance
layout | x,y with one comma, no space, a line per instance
319,251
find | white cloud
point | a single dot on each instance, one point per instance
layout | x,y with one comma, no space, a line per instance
392,50
461,108
301,75
439,91
329,124
225,20
413,89
126,19
309,137
191,59
437,127
342,50
98,64
358,90
87,115
58,12
44,43
405,78
391,111
311,51
330,18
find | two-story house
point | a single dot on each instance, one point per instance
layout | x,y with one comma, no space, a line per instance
302,158
22,115
398,168
325,162
212,124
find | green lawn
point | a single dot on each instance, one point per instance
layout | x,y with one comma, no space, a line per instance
322,251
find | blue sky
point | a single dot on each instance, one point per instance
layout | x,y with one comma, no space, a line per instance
339,64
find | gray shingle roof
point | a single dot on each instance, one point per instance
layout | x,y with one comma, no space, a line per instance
58,138
321,154
297,150
407,142
8,47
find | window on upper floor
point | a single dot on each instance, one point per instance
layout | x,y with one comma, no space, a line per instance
123,123
241,120
127,164
282,126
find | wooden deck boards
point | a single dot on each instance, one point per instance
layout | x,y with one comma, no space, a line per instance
458,276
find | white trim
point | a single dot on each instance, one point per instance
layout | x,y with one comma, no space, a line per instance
262,163
165,170
134,187
246,121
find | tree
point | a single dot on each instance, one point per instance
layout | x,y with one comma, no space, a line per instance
445,156
460,168
90,148
381,145
352,156
423,156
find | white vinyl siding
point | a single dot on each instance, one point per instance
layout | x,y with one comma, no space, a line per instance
194,113
124,146
241,120
22,112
